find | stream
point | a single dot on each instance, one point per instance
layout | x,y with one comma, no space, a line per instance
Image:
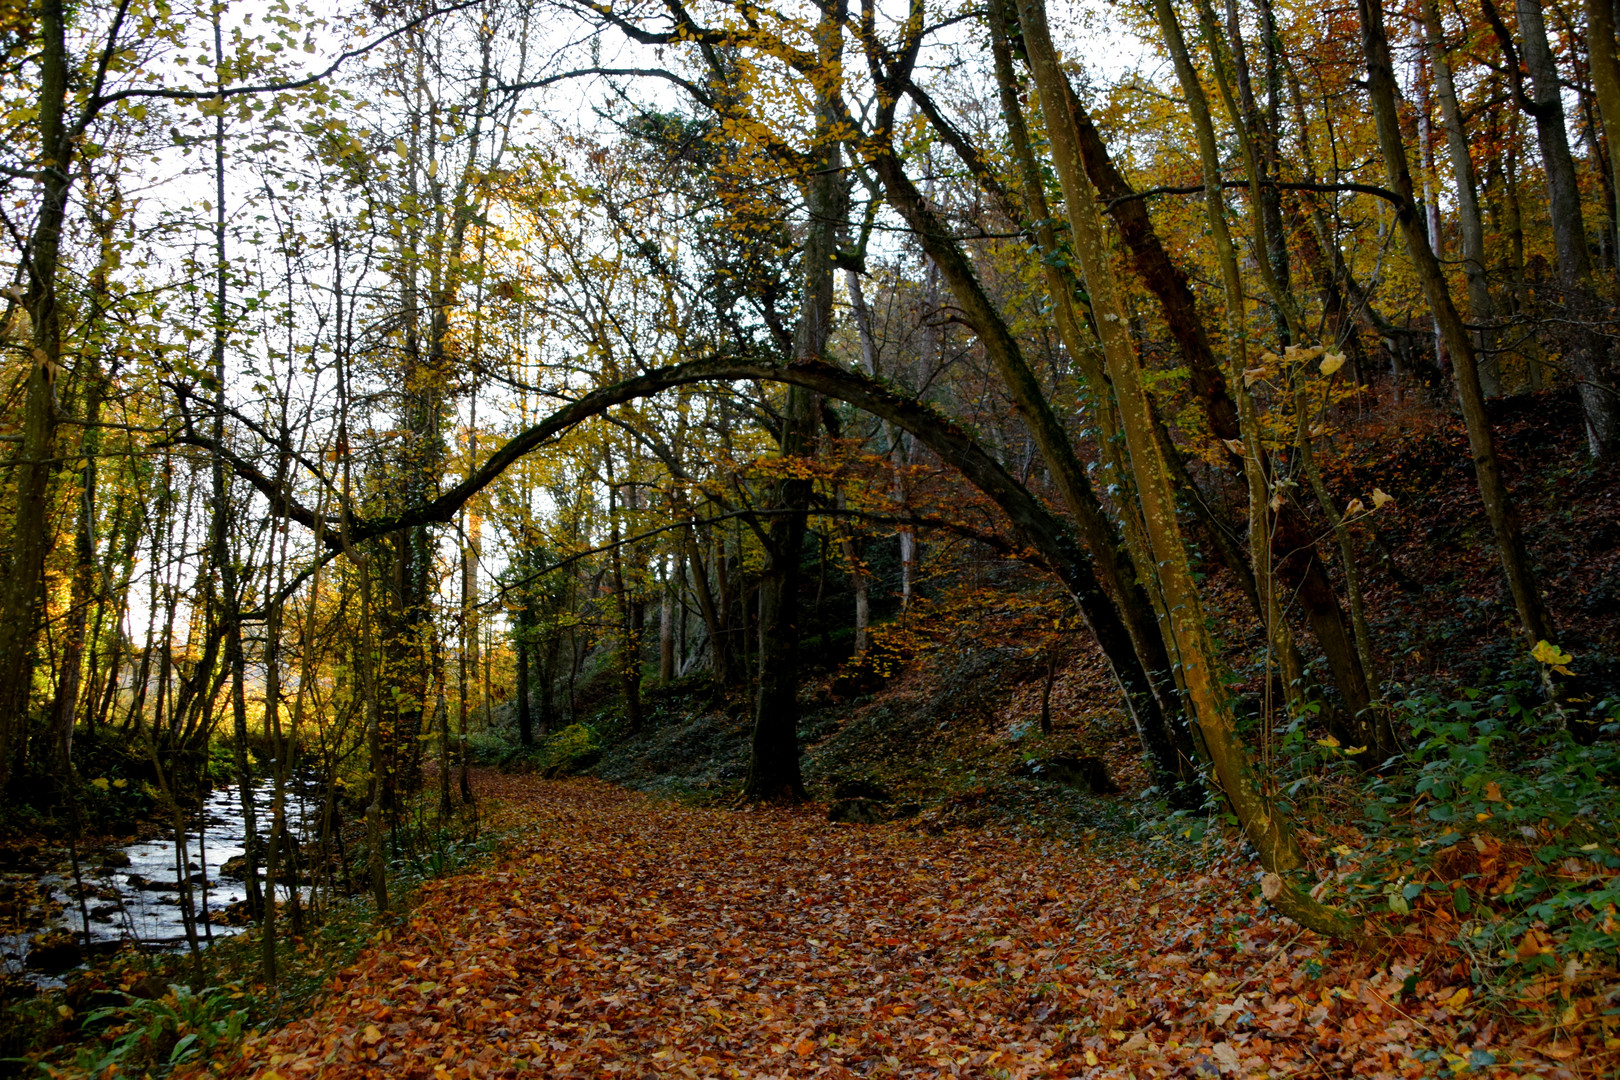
132,892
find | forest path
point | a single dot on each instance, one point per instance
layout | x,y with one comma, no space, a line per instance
622,935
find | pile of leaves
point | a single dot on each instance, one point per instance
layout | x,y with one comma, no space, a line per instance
621,934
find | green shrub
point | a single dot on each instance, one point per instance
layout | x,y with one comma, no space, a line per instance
156,1035
488,747
572,750
1501,818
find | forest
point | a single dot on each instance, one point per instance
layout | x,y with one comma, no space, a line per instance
994,539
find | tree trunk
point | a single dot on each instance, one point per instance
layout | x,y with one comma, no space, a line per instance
1258,147
1063,288
279,771
1046,691
1261,820
65,709
773,767
1587,357
468,673
629,651
465,669
666,628
30,535
1372,728
548,675
707,608
441,721
226,602
896,450
1169,285
525,725
1603,52
1289,320
1480,307
376,865
1296,565
858,586
1493,489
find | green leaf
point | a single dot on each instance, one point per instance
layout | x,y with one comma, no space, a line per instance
182,1048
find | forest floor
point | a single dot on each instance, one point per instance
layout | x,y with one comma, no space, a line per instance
625,934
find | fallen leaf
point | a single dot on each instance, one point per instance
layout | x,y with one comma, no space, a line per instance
1560,1051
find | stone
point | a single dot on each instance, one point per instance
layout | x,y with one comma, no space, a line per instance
855,812
54,953
860,787
1069,770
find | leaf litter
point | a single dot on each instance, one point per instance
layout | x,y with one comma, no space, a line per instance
624,935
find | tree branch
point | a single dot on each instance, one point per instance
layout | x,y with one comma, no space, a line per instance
101,101
1281,185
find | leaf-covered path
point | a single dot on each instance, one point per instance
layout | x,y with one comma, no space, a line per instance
627,936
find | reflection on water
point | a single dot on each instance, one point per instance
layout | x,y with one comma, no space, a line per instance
132,893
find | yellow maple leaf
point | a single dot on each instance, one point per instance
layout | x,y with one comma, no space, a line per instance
1551,655
1330,363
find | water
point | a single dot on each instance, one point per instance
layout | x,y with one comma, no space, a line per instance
140,902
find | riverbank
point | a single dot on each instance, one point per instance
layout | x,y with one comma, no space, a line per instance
134,1005
64,906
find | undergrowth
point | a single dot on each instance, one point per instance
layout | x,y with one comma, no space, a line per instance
1493,839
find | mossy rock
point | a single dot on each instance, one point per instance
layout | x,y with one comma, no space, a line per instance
1085,773
856,812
